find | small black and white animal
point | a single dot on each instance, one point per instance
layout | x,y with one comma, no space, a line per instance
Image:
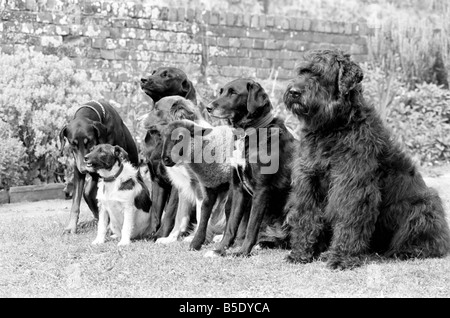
123,197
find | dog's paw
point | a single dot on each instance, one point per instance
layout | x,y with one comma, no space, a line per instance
124,243
214,254
166,240
325,256
195,246
239,254
98,241
115,236
296,258
342,262
217,238
69,230
188,239
242,252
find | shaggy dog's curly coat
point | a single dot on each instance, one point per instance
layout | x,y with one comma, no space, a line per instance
354,190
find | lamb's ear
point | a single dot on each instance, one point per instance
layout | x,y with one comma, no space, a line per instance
148,138
257,97
120,153
350,75
153,135
188,89
100,131
62,138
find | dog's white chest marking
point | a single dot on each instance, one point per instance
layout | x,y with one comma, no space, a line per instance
118,204
238,158
182,180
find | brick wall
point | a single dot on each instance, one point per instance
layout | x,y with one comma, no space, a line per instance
117,43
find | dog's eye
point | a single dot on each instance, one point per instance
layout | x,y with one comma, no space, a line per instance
221,91
231,91
153,73
163,74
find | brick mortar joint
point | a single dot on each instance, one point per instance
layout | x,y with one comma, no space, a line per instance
359,30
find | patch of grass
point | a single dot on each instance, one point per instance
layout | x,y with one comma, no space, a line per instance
36,261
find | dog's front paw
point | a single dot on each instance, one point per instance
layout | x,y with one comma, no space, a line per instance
298,258
242,252
215,254
195,245
71,228
124,243
325,256
166,240
342,262
98,241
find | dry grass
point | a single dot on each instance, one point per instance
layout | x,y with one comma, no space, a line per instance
36,261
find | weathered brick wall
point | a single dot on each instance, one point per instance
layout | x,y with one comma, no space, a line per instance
117,43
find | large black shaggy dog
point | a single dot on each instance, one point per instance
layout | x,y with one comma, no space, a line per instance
354,190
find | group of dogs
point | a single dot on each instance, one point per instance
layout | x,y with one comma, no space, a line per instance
340,192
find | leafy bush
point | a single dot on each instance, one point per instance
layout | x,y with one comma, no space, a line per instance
12,158
38,94
419,118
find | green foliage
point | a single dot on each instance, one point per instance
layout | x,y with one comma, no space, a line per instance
12,158
419,118
39,93
409,35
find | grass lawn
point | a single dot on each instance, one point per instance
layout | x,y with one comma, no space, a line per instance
37,261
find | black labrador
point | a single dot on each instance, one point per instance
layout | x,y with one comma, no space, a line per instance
259,180
95,122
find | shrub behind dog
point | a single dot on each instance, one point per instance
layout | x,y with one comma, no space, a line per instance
38,94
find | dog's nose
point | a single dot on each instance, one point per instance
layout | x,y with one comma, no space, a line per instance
86,158
295,92
143,80
209,108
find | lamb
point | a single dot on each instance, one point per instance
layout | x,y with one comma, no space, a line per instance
185,185
206,153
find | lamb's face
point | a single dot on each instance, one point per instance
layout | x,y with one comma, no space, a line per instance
177,141
184,142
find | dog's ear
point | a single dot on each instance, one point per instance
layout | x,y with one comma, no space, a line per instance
257,97
153,135
188,88
100,131
62,138
120,153
350,75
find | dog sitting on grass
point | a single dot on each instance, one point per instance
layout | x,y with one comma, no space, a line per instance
123,197
354,190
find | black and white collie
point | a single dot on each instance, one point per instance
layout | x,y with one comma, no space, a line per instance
123,197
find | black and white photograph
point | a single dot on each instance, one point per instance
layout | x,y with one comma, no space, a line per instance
224,154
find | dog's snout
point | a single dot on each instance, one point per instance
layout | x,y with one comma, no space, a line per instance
143,80
294,92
